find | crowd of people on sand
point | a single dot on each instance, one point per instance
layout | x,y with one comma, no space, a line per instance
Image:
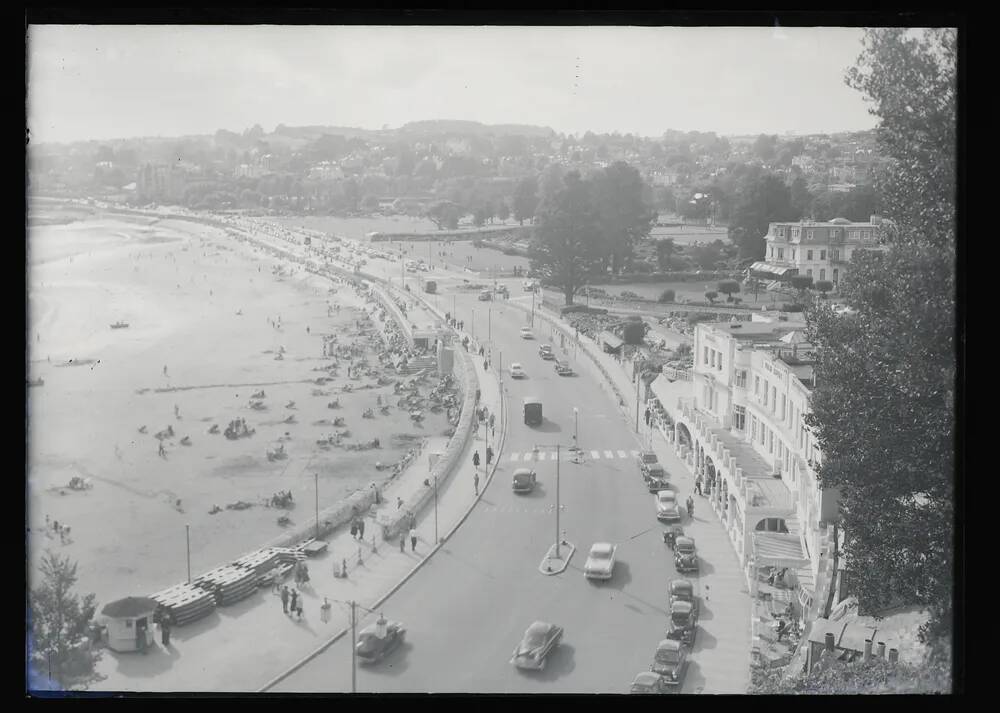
53,528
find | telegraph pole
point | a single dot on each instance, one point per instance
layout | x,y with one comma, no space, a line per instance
187,532
532,307
558,538
316,479
354,648
638,378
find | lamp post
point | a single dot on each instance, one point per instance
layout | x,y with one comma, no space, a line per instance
187,533
473,324
532,307
489,324
638,378
576,428
558,448
436,509
316,479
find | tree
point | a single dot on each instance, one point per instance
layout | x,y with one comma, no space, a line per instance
567,236
729,288
667,296
369,203
525,199
800,197
503,211
664,249
874,677
711,296
803,283
705,256
481,213
883,413
623,217
760,200
59,626
753,285
765,147
444,214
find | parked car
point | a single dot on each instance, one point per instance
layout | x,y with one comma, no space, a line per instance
378,640
545,352
670,661
649,682
537,643
647,459
600,562
524,480
682,590
666,507
485,296
526,333
657,481
563,368
517,371
685,555
683,622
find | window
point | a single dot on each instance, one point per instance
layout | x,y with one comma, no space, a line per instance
795,232
822,254
866,234
740,418
809,272
765,393
835,271
793,253
753,428
762,433
781,253
782,407
770,441
720,361
834,255
809,254
822,274
706,354
770,251
713,358
756,385
833,234
741,378
774,399
809,235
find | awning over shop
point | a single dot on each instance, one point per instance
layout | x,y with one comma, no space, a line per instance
610,342
772,269
778,549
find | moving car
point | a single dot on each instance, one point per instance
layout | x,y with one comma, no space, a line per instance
649,682
600,562
685,555
545,352
539,640
532,411
683,621
563,368
524,480
666,507
378,640
670,661
517,371
485,296
526,333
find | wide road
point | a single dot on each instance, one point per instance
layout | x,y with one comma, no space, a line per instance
468,607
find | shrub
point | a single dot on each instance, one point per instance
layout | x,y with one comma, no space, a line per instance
667,296
711,295
792,307
629,295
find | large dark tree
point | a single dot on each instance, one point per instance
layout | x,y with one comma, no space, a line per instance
444,214
884,410
525,199
760,200
623,217
567,236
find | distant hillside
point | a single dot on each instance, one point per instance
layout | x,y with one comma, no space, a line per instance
457,126
313,132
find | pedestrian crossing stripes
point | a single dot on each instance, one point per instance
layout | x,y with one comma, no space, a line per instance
516,509
531,456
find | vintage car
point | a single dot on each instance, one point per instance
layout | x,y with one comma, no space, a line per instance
666,507
485,296
647,460
682,590
545,352
378,640
563,368
517,371
670,661
649,682
683,622
537,643
600,562
526,333
685,555
657,481
523,480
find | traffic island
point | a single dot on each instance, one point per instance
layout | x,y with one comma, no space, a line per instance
553,565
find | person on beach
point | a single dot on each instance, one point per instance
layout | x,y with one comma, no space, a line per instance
161,451
295,600
475,460
361,528
489,455
399,503
413,539
164,369
284,599
402,542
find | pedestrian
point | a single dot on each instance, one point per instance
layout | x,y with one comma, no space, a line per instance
161,451
475,459
493,419
489,455
284,599
781,628
482,351
647,416
354,529
399,503
475,481
165,628
324,610
413,539
164,369
486,365
295,600
402,542
361,529
493,430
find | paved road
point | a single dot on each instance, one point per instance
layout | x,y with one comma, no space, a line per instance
466,609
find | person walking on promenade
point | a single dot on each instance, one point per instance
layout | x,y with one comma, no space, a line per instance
489,455
399,503
161,451
648,414
165,623
402,542
475,460
475,481
284,599
413,539
295,600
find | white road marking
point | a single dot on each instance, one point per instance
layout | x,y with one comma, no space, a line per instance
609,454
622,454
595,454
635,454
513,456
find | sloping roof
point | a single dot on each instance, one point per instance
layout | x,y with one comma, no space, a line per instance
130,607
611,340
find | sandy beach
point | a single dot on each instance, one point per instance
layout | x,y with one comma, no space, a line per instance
203,335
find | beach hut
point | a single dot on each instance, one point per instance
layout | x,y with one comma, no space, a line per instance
130,623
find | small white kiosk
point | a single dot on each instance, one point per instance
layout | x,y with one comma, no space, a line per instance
130,623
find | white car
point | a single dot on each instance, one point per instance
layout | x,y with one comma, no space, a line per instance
526,333
666,507
600,562
517,371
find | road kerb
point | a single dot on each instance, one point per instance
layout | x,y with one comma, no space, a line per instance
546,567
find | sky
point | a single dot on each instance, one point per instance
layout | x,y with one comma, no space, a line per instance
105,82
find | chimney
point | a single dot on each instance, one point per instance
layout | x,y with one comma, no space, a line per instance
893,655
830,640
881,649
868,651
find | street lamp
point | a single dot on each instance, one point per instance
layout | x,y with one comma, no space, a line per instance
576,428
187,532
558,448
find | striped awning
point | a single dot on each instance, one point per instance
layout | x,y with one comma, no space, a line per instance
772,269
778,549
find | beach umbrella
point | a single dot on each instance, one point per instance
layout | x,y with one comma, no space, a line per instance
129,607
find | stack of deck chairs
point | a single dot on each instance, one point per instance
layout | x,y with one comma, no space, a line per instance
229,584
186,602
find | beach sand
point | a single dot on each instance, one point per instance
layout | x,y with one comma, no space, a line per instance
179,285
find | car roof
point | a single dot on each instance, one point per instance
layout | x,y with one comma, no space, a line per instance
532,400
646,454
669,645
602,547
678,584
666,495
538,627
681,607
647,678
684,541
515,363
523,471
